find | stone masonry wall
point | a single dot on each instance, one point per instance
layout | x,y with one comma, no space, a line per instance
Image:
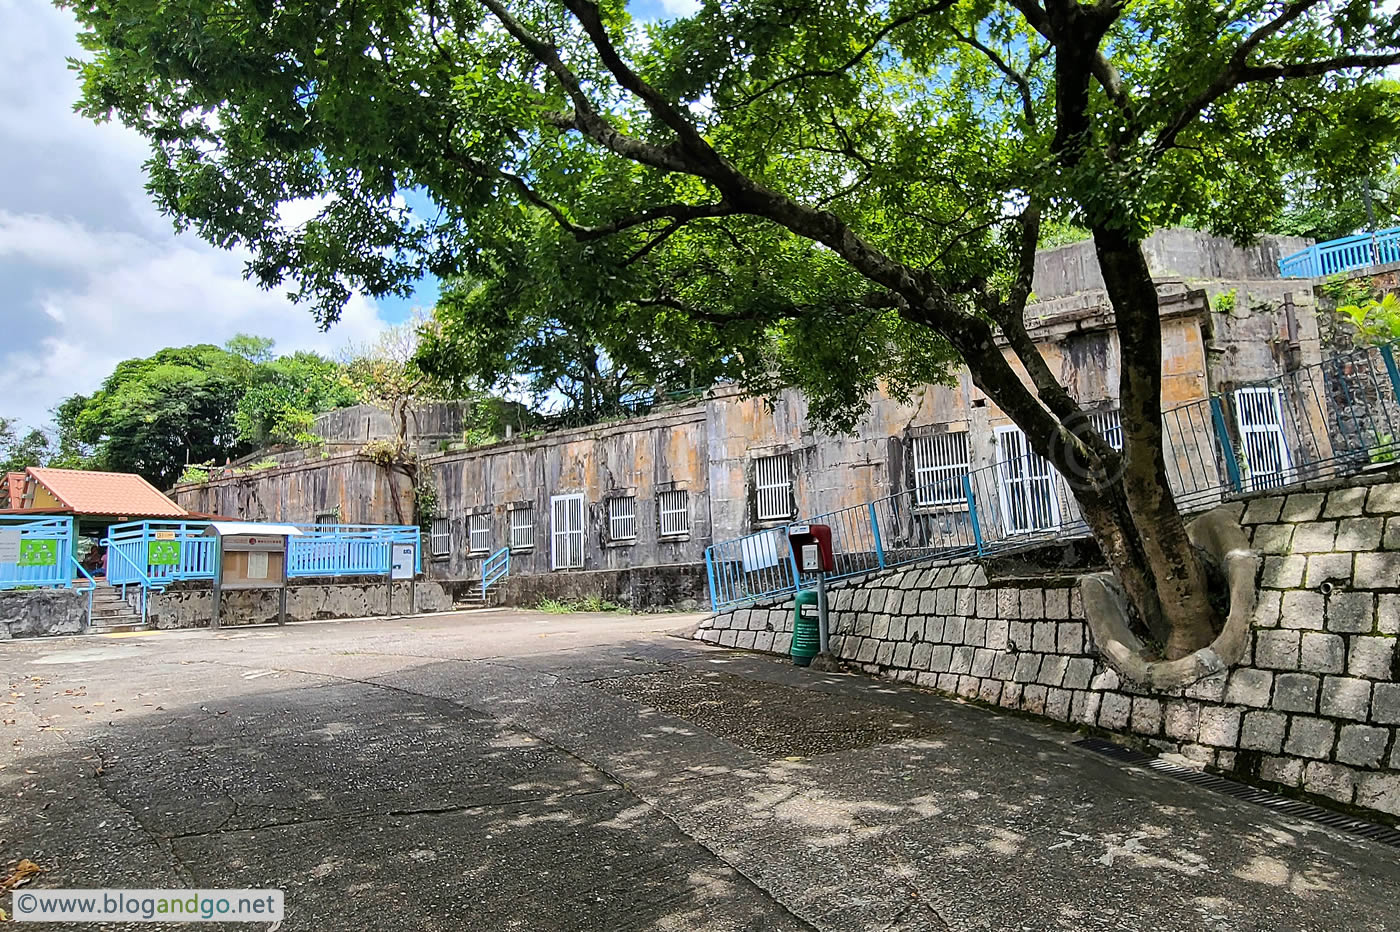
191,606
1313,707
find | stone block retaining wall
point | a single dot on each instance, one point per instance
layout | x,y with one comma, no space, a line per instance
1314,706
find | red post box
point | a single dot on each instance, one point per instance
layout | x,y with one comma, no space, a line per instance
812,545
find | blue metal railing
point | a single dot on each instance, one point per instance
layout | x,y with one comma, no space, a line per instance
349,549
1343,255
149,545
493,569
91,587
145,585
45,551
152,554
1334,418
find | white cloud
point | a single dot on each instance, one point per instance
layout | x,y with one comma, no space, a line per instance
123,295
680,7
90,273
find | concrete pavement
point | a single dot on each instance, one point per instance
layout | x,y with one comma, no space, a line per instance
507,770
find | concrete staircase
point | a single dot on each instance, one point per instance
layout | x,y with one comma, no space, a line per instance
111,613
471,598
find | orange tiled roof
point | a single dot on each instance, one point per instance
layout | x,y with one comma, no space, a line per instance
106,493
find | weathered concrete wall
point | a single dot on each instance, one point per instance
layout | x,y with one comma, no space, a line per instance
642,457
429,423
1261,330
38,612
363,491
1314,707
640,588
1175,253
832,472
709,449
191,606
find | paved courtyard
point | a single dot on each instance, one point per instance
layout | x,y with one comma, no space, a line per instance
507,770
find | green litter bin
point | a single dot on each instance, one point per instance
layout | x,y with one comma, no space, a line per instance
806,639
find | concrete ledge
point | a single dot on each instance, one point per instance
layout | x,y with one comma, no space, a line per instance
192,607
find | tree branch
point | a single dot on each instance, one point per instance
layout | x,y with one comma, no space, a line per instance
1023,85
585,117
1237,71
690,138
854,60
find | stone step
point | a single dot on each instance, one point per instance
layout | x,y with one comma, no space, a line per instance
119,628
116,618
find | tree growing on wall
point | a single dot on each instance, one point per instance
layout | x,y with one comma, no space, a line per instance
836,192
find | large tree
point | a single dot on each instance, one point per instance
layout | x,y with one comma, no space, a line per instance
154,415
861,184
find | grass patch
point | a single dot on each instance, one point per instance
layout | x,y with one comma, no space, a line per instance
590,603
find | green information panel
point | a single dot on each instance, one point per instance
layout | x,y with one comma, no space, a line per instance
38,552
163,553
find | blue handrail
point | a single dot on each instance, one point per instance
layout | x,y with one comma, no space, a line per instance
92,584
493,568
146,583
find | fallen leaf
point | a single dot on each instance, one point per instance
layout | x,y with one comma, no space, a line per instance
23,871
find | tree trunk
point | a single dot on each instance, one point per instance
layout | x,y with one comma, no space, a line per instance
1178,576
1125,501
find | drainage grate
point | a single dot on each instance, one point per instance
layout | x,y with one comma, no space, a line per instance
1299,810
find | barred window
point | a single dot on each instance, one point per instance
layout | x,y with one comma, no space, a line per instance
1110,427
675,513
622,518
479,527
1266,458
773,486
442,537
940,462
566,530
522,527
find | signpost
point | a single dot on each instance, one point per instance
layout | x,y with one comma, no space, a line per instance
250,556
402,565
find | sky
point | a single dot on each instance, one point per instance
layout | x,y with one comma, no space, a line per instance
90,272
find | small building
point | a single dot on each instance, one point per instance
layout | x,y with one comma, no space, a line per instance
95,500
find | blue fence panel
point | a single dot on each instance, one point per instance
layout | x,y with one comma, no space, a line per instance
322,550
148,547
46,552
1347,254
349,549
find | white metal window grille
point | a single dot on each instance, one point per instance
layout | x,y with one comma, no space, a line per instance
675,513
442,537
622,518
522,528
940,462
1110,428
1267,461
773,486
566,531
1029,497
479,533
